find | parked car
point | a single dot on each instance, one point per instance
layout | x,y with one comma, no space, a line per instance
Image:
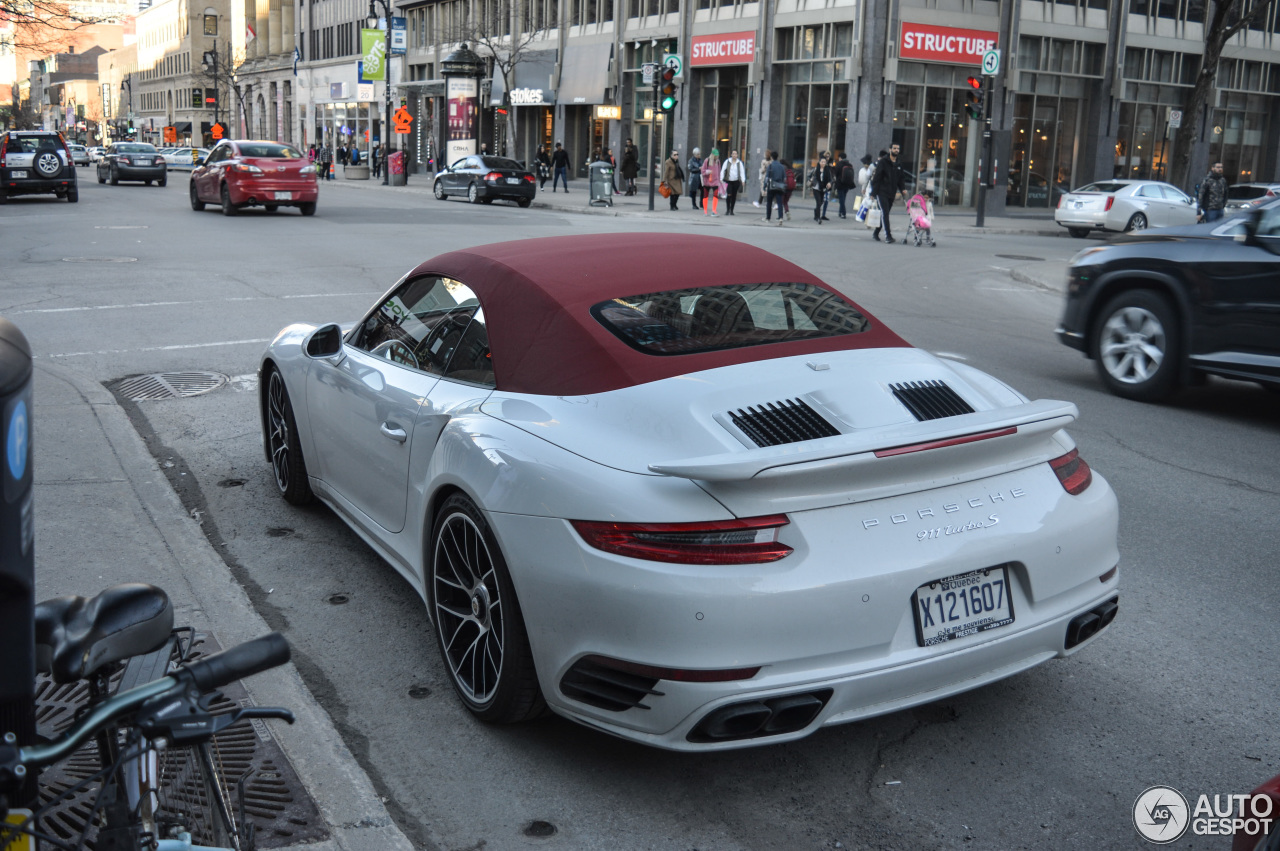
95,153
483,179
1124,205
79,154
720,507
245,173
184,158
36,162
1245,196
1166,308
132,161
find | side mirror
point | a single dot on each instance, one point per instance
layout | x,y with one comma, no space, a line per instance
325,341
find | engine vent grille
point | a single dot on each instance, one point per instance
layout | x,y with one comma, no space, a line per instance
775,423
608,688
930,400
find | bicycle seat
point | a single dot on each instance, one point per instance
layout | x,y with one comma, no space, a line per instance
78,636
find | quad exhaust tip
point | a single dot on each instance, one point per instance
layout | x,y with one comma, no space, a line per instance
1086,626
753,719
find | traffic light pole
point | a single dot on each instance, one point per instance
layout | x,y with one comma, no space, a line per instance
657,78
985,172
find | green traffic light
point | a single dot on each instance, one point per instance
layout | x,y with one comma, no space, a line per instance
668,103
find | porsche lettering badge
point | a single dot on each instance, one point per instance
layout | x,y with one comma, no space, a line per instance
988,500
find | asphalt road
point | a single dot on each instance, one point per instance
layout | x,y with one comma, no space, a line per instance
1181,691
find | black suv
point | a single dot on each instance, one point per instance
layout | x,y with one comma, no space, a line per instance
35,162
1164,308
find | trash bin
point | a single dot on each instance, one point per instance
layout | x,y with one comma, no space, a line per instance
601,191
395,167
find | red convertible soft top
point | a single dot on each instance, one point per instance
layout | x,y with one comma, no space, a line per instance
537,296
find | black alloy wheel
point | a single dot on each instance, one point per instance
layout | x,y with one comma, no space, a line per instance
1136,343
1138,222
196,203
439,191
228,209
282,442
478,623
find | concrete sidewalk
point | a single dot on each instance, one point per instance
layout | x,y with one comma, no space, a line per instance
105,514
576,201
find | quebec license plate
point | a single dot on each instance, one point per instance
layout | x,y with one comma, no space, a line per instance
965,604
16,841
18,173
284,196
513,180
1079,205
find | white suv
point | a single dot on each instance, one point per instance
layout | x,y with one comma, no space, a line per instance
34,162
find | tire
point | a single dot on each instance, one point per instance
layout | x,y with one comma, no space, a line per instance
523,202
308,208
1137,345
476,616
147,182
47,164
228,209
439,191
73,195
1078,233
287,463
1138,222
101,179
115,176
473,194
271,208
164,181
196,203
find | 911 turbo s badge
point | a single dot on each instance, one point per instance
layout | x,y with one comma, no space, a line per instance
991,499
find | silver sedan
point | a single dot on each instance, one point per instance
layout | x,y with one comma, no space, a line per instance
1124,205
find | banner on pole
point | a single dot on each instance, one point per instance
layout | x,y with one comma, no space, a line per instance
373,46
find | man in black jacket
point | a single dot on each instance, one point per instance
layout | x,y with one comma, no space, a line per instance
560,164
889,182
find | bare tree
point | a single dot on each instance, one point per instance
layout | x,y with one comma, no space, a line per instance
1229,18
503,30
44,26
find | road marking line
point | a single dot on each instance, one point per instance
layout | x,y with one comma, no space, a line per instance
182,303
157,348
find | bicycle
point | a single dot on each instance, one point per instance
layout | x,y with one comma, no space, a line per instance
149,717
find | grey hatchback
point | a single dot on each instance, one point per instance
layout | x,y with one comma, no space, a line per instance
36,162
132,161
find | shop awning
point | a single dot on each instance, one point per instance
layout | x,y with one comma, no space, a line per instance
533,80
181,127
584,74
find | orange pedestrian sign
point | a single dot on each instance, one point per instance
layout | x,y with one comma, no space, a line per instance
216,131
403,120
171,135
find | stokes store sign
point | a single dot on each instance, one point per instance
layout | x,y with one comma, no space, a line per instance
723,49
945,44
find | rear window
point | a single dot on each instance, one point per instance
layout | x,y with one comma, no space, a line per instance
1245,193
31,144
502,162
703,319
280,152
1103,187
134,148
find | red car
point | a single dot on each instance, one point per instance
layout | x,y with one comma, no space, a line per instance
246,173
1252,839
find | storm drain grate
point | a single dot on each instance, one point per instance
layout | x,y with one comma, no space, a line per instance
275,801
169,385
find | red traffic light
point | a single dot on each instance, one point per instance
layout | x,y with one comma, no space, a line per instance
668,74
975,82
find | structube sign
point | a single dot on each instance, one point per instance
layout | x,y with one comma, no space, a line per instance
724,49
945,44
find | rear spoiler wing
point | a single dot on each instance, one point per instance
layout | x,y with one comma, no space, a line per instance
1016,423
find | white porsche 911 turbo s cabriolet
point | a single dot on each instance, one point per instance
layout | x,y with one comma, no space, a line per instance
702,510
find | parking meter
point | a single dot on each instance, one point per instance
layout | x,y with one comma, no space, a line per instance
17,543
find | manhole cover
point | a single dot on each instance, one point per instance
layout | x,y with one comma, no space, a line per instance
169,385
99,259
1020,257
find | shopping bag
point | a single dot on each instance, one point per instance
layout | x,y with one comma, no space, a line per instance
664,190
864,206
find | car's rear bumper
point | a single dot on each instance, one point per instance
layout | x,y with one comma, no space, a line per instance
264,191
35,185
141,172
528,190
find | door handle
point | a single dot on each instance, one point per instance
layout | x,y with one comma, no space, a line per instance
399,435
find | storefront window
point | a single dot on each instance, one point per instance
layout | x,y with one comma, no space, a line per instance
1236,142
933,129
1042,151
1144,144
816,114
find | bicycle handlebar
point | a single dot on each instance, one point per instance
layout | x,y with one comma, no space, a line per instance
244,660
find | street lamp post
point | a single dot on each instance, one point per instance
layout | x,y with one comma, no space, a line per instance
386,87
210,66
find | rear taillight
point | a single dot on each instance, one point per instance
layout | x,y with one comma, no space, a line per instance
528,178
1111,199
752,540
493,177
1073,472
1062,199
66,148
246,168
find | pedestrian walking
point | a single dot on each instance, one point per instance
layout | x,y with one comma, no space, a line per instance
864,176
560,165
311,154
613,162
711,184
673,176
1212,197
775,183
543,165
763,172
826,197
821,180
888,182
846,179
791,187
695,177
376,156
326,163
630,166
734,177
355,155
344,156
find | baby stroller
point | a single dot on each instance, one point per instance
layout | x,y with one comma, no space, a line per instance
920,219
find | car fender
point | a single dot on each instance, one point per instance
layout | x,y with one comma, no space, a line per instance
287,353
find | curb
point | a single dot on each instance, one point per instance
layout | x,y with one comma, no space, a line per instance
341,789
1022,275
